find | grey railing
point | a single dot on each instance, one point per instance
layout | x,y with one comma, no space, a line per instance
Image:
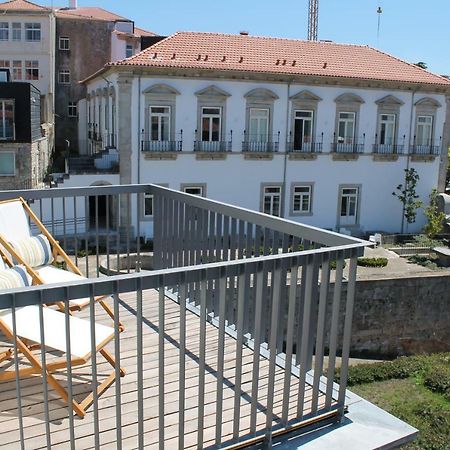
433,150
212,146
305,147
264,284
161,146
388,149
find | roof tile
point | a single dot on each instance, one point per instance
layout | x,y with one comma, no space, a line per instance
21,5
279,56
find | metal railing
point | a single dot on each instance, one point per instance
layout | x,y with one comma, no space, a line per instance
260,143
340,145
212,146
433,150
239,281
388,149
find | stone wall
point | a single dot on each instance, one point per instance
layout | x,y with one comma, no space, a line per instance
402,316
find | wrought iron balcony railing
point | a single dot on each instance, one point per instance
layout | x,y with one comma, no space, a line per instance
433,150
212,146
388,149
260,143
347,145
225,294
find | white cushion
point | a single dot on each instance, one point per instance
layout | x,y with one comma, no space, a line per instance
13,221
15,277
34,250
28,327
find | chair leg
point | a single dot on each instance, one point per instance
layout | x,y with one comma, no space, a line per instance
110,313
111,360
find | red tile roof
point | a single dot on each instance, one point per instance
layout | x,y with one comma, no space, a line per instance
22,5
142,32
278,56
88,12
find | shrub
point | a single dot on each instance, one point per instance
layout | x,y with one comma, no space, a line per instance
438,379
334,263
373,262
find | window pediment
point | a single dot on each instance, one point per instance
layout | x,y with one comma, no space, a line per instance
305,96
428,102
389,100
261,94
161,89
212,91
349,98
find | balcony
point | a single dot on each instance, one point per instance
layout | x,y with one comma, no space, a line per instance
161,146
228,338
388,149
307,145
425,150
212,146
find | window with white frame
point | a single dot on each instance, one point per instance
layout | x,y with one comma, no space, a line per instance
160,123
64,43
72,109
424,130
129,49
303,128
272,200
301,199
64,76
32,32
6,119
349,205
387,129
346,127
258,125
194,190
148,205
4,31
17,70
32,70
7,164
211,121
16,31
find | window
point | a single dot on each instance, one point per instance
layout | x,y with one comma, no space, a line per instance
4,64
17,70
129,50
16,31
6,119
303,129
64,77
349,206
32,32
4,31
7,164
346,127
159,123
64,43
194,190
148,205
424,132
387,129
211,124
32,70
258,125
272,200
301,199
72,109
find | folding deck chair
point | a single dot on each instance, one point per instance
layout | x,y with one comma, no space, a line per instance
54,323
14,226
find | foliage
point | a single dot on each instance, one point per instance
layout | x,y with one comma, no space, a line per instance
83,253
438,379
334,263
372,262
435,217
430,262
422,65
407,195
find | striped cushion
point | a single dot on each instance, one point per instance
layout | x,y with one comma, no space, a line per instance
15,277
35,251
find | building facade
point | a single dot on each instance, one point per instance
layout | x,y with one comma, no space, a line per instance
24,146
315,132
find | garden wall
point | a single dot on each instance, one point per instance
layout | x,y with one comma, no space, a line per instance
402,316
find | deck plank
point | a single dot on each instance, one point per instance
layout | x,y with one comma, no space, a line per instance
32,388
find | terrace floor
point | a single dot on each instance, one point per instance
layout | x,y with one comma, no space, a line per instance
33,397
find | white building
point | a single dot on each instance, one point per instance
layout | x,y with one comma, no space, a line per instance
313,131
27,47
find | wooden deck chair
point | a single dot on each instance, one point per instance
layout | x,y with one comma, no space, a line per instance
14,225
28,330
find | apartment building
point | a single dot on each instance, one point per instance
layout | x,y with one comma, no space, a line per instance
316,132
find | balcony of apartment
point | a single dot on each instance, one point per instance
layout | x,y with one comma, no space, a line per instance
347,148
425,147
304,147
386,148
228,332
260,143
215,146
152,147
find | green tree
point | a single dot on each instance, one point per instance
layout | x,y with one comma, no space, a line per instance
422,65
435,217
407,195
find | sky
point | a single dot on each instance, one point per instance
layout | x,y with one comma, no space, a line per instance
409,29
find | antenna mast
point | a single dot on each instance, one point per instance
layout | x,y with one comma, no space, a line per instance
313,20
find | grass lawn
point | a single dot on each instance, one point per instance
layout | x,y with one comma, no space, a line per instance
416,390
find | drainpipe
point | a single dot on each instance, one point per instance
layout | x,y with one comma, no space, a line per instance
139,133
283,186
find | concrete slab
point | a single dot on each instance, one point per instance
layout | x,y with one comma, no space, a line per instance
364,427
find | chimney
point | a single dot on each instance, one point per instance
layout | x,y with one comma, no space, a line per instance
72,4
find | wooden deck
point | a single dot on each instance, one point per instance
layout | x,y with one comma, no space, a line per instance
33,397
